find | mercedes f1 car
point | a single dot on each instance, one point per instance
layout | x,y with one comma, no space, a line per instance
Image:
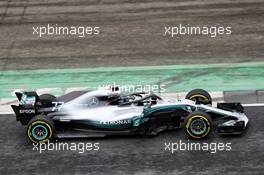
108,112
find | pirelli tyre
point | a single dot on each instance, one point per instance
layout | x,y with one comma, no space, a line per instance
198,125
200,96
40,129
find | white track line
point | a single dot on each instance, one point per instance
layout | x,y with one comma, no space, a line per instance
6,113
253,105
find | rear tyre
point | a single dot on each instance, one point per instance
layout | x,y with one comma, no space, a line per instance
40,129
200,96
198,125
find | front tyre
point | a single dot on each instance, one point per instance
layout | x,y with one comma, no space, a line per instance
198,125
40,129
199,96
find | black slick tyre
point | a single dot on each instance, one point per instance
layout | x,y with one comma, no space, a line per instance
200,96
40,129
198,125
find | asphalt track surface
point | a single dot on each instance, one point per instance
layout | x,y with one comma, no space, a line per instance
131,36
131,33
135,155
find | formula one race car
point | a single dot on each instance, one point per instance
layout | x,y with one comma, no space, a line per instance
109,112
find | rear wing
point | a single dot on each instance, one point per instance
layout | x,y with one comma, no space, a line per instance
26,108
27,98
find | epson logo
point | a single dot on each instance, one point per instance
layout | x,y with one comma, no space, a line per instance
27,111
